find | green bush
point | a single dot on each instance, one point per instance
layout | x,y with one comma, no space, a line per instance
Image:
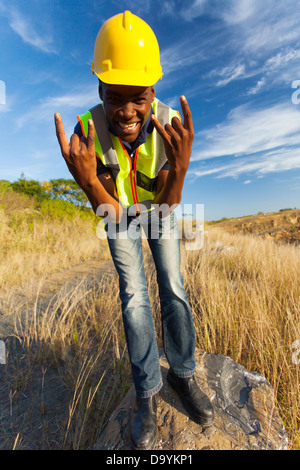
32,188
5,186
59,210
57,199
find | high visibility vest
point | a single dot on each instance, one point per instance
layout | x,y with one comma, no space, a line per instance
135,182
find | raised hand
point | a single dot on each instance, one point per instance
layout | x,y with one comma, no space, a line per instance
79,154
178,138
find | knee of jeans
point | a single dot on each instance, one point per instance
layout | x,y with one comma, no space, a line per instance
172,286
134,295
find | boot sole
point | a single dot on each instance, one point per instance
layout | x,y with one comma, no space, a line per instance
196,418
150,446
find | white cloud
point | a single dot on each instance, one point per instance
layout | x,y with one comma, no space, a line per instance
281,59
259,39
193,10
23,27
181,56
230,73
264,141
45,109
237,11
272,25
74,99
247,131
258,87
282,68
277,161
257,25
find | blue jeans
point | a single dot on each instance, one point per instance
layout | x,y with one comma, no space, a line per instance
177,321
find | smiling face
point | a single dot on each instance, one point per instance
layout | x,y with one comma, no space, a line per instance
127,108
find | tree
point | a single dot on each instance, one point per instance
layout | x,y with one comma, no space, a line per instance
67,190
30,187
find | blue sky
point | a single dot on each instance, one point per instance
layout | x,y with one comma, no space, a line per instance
236,61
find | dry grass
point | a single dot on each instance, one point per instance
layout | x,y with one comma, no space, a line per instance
37,241
245,295
244,292
75,349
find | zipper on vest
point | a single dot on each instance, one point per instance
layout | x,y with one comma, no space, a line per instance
134,180
132,174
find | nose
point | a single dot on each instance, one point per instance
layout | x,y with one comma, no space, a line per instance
127,111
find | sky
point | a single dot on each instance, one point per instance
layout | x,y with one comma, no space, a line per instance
236,61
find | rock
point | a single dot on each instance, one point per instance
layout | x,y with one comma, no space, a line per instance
245,413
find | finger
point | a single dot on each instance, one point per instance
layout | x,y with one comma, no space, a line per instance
187,115
91,135
75,145
174,135
61,136
177,126
83,140
165,136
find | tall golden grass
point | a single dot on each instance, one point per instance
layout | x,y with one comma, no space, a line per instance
40,239
244,293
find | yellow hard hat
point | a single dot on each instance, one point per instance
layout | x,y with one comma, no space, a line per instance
127,52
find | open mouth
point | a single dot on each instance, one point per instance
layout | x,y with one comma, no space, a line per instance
128,128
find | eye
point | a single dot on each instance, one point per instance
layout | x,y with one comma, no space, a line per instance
140,101
113,99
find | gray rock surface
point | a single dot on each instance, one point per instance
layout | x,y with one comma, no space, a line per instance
245,414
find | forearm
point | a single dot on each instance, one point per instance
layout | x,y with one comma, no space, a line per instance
177,139
170,194
80,158
102,202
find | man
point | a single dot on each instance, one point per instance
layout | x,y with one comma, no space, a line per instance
130,156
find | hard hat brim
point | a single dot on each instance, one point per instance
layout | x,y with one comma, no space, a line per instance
128,77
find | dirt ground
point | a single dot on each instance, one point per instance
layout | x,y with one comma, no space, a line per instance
283,226
34,409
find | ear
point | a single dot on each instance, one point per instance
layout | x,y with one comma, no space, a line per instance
152,93
100,90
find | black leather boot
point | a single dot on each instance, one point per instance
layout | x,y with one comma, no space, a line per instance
196,403
143,429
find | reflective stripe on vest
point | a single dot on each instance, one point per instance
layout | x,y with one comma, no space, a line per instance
135,182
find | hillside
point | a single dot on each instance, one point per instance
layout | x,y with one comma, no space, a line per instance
39,237
282,226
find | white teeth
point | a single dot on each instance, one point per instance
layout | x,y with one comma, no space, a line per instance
128,126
